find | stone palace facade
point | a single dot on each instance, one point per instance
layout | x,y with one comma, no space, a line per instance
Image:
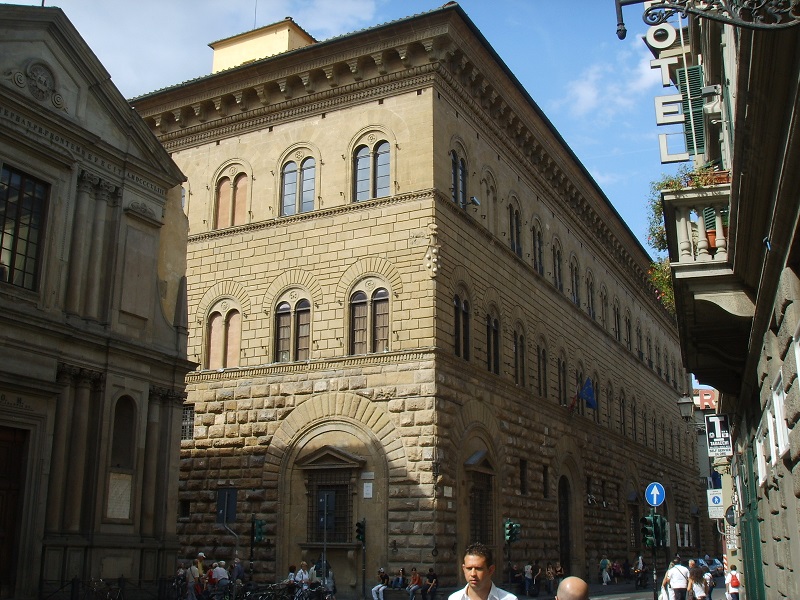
399,276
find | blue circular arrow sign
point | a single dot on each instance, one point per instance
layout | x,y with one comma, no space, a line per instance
654,494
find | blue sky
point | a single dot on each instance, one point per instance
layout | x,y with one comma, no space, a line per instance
598,91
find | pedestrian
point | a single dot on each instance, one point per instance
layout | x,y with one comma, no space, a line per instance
430,586
549,578
537,579
733,583
605,570
573,588
301,577
478,567
697,583
237,573
527,572
678,579
383,583
559,574
414,584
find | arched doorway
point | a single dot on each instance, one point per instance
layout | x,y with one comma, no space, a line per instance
564,523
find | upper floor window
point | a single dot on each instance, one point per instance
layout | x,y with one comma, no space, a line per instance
590,296
580,403
639,342
223,335
558,280
538,250
515,229
617,322
604,308
623,415
541,369
293,331
23,206
298,187
519,357
658,359
458,184
231,200
562,380
575,281
369,321
372,171
492,344
463,319
628,331
649,351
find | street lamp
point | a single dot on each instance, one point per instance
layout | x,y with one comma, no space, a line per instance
686,407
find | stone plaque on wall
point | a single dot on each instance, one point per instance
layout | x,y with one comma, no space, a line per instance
118,503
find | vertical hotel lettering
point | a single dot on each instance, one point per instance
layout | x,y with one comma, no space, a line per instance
668,108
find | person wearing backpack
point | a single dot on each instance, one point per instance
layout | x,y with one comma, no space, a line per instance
732,583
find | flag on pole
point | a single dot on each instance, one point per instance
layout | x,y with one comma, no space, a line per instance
587,394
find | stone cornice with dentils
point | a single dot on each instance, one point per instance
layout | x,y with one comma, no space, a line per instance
254,101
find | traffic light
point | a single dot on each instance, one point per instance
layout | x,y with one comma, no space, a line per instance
515,529
648,530
508,526
361,530
661,532
258,529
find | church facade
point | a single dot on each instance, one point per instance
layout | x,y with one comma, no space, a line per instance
93,335
400,280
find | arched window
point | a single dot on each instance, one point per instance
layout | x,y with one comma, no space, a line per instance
461,309
623,415
519,357
492,343
293,331
231,201
538,249
558,280
541,369
604,308
639,350
369,321
617,321
458,166
298,198
610,405
562,380
634,421
514,229
223,336
649,351
575,281
590,296
658,358
372,171
579,382
628,331
122,441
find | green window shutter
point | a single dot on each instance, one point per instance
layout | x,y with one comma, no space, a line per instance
690,84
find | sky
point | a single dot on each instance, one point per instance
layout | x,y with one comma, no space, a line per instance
597,91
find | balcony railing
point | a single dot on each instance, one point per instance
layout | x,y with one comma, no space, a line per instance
698,218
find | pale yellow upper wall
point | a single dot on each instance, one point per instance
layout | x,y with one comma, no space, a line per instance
260,43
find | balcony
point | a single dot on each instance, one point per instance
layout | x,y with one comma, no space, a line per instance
714,311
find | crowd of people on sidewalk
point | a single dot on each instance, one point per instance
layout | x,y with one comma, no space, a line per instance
198,581
696,582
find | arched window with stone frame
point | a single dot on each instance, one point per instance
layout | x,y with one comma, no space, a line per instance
558,280
459,177
520,367
372,170
590,295
658,358
623,414
514,226
369,317
480,481
634,422
561,368
597,399
580,403
639,349
617,320
628,331
231,198
541,368
611,407
462,338
575,280
604,307
298,184
493,344
649,350
292,334
223,335
537,250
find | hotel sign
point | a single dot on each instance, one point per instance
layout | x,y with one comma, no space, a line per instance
668,108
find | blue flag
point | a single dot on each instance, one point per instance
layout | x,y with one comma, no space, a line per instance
587,394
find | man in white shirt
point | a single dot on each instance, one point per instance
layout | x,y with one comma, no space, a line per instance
677,578
478,569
